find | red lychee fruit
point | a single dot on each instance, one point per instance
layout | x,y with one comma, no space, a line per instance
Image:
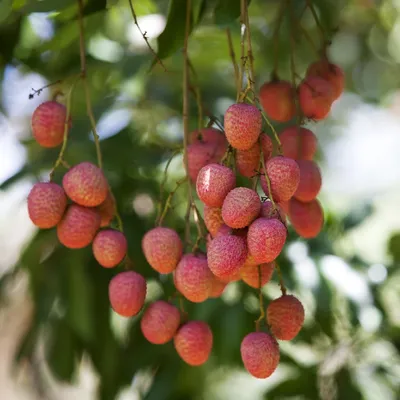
48,123
331,73
315,97
248,161
213,183
46,204
224,230
162,248
251,276
265,239
241,207
199,154
231,278
217,288
242,125
284,177
160,322
260,354
285,316
193,278
278,100
298,143
250,261
310,181
106,210
109,247
213,219
307,218
284,206
266,146
268,211
78,226
226,254
193,342
85,184
127,292
213,137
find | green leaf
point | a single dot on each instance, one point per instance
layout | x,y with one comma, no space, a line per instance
46,5
394,246
226,12
347,388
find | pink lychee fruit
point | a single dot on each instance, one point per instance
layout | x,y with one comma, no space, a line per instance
307,218
251,275
248,161
298,143
109,247
217,288
268,211
310,181
106,210
215,138
199,154
213,219
266,146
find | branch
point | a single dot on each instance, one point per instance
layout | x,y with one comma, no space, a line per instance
233,58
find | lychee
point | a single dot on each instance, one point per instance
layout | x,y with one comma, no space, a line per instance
224,230
127,292
217,288
213,183
199,154
268,211
250,261
266,146
162,248
242,125
251,275
106,210
46,204
310,181
159,322
248,161
213,219
284,206
215,138
260,354
193,342
265,239
285,316
277,100
298,143
307,219
109,247
78,226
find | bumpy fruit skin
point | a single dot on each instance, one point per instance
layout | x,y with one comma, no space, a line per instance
310,181
265,239
85,184
193,278
48,123
285,317
307,218
199,154
250,275
277,100
78,226
298,143
213,219
284,176
46,204
160,322
226,254
250,261
315,97
217,288
213,183
266,146
162,248
109,247
248,161
242,125
241,207
193,342
127,292
260,354
106,210
215,138
268,211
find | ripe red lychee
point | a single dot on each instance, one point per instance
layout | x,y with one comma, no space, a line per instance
224,230
268,211
315,97
160,322
260,354
277,100
213,183
298,143
248,161
162,248
85,184
48,123
46,204
251,276
193,342
241,207
226,254
106,210
266,146
310,181
242,125
285,316
109,247
199,154
217,288
307,218
265,239
250,261
193,278
213,219
231,278
284,206
284,177
215,138
127,292
78,226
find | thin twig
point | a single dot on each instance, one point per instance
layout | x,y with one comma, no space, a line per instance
233,59
37,92
169,199
197,93
249,48
242,46
260,299
317,21
267,180
281,13
280,277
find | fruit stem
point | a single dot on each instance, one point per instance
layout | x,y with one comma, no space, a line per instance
251,76
274,74
310,5
242,50
267,180
197,94
308,38
260,299
169,198
280,277
233,58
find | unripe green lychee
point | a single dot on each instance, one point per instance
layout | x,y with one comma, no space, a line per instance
193,342
215,138
265,239
213,219
268,211
298,143
85,184
162,248
159,322
251,275
48,123
285,316
243,124
307,218
260,354
217,288
106,210
109,247
248,161
241,207
310,181
46,204
127,292
213,183
78,226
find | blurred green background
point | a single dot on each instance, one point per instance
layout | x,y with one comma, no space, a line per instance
58,337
